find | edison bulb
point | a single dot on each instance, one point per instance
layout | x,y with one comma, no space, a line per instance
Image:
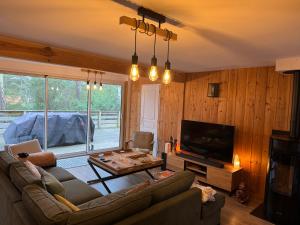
166,77
101,87
88,86
95,86
153,75
134,72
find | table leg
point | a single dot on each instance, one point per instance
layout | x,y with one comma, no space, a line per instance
147,171
99,177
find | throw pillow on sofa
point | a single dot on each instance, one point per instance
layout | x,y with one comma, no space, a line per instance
51,184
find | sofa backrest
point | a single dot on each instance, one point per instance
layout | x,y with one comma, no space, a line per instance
6,160
45,209
110,209
171,186
21,176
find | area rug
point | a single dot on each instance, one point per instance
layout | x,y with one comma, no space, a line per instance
72,162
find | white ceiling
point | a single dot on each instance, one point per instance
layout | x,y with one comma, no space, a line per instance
220,34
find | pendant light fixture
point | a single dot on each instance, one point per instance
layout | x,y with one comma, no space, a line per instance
88,87
166,79
134,71
153,75
101,85
95,83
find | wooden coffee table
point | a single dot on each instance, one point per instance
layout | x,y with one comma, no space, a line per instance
121,163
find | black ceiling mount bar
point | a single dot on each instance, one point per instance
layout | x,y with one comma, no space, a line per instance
149,14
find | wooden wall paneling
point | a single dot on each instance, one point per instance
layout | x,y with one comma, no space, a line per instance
251,101
231,96
223,100
258,128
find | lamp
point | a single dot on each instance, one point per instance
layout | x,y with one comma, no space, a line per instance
153,75
166,79
236,161
101,85
134,71
88,87
95,83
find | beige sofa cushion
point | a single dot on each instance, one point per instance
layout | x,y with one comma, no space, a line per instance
45,209
110,209
21,176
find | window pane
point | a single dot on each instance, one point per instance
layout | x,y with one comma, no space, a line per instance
22,103
67,116
106,111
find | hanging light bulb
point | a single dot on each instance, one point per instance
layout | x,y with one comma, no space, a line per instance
101,85
153,75
167,73
88,87
134,71
95,83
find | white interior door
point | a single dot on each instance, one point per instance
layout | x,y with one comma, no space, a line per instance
149,110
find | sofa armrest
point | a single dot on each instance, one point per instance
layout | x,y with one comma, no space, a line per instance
182,209
43,159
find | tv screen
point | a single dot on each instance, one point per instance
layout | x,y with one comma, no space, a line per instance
213,141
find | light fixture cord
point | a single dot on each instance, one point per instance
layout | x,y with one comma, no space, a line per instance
88,76
154,40
135,41
95,76
168,50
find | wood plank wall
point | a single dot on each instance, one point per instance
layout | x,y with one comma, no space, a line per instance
255,100
170,110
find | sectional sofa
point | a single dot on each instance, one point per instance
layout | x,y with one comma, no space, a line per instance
24,201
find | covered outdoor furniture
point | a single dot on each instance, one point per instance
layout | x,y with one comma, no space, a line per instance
63,129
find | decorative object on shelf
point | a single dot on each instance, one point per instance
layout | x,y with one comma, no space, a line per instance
150,29
177,148
213,90
167,147
241,193
236,161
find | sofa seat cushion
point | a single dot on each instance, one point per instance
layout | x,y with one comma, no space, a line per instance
171,186
21,176
110,209
210,208
43,207
6,160
60,173
78,192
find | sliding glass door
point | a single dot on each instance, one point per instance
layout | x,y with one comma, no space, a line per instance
22,103
65,108
67,116
106,108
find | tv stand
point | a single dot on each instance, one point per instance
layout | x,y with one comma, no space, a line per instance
227,177
201,160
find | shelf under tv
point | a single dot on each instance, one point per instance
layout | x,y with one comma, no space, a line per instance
226,178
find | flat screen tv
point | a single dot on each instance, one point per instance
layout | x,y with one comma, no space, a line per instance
208,140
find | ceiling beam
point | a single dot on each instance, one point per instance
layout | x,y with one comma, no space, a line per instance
38,52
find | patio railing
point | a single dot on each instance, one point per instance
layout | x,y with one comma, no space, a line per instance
101,119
